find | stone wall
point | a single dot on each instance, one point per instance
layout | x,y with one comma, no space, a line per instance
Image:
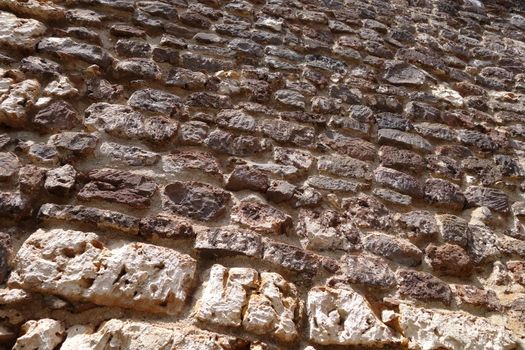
262,174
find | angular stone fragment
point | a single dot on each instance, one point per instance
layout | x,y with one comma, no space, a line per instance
80,266
444,194
401,73
60,181
392,196
44,10
433,329
186,79
195,200
9,165
66,48
331,184
100,218
402,160
401,138
137,335
204,64
59,115
290,99
236,119
118,186
489,197
61,88
327,230
288,132
393,248
15,104
129,155
344,317
42,68
236,145
155,101
261,217
295,157
20,33
40,153
44,334
73,144
350,146
14,206
208,100
423,286
399,181
449,259
31,179
483,244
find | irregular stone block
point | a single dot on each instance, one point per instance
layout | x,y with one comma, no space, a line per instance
327,230
261,217
180,161
344,166
101,218
401,73
59,115
433,329
137,335
444,194
399,181
397,137
16,103
366,211
67,48
489,197
9,166
364,269
166,226
195,200
344,317
393,248
80,266
449,259
118,186
229,241
155,101
128,155
44,334
264,304
423,286
60,181
20,33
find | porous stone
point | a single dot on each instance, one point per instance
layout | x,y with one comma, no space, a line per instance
15,104
344,317
261,217
444,194
488,197
433,329
129,155
153,100
449,259
423,286
401,73
399,181
44,334
59,115
65,48
81,266
365,269
60,181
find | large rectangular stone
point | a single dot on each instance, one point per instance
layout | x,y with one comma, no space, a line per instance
81,266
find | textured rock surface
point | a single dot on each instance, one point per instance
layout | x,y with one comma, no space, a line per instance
79,266
44,334
303,148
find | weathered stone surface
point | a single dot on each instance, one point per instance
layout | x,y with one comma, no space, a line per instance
344,317
40,67
229,241
65,48
6,251
81,266
9,165
100,218
449,259
15,104
247,178
366,211
137,68
59,115
399,181
453,229
44,334
60,181
404,139
420,224
444,194
402,160
262,304
401,73
432,329
21,33
423,286
294,157
365,269
350,146
236,145
129,155
165,226
155,101
472,296
396,249
61,88
195,200
327,230
290,98
483,243
43,154
73,144
490,197
332,184
344,166
118,186
261,217
288,132
291,257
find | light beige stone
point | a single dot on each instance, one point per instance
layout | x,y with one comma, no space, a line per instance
62,87
21,33
15,104
134,335
344,317
80,266
433,329
265,304
44,334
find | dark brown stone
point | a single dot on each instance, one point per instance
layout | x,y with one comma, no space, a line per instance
166,226
449,259
423,286
247,178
